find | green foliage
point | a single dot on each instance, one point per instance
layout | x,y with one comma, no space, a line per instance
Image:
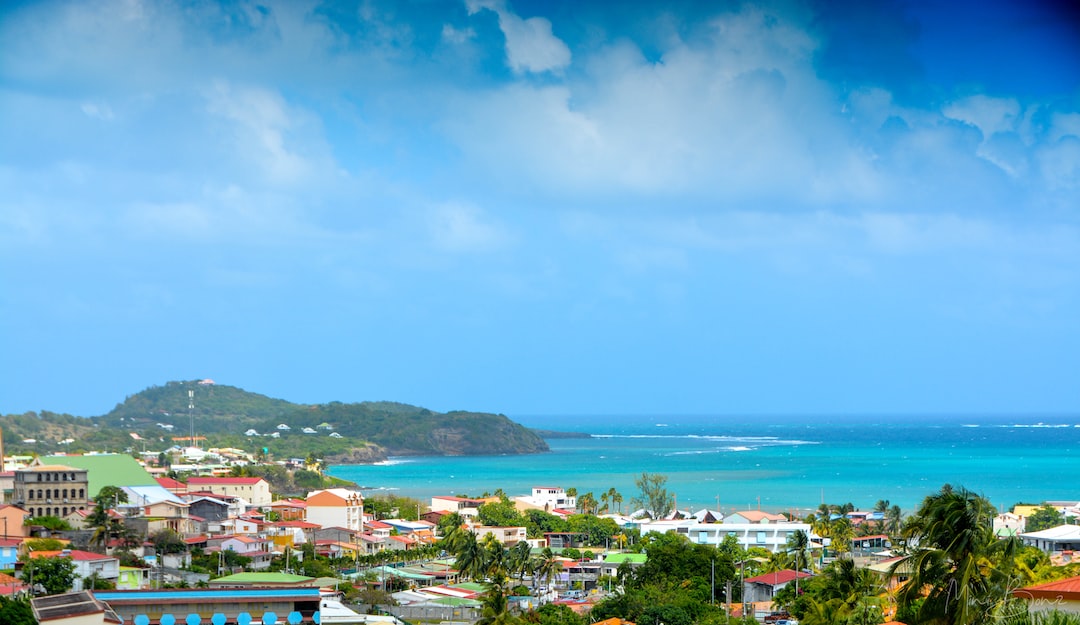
653,496
1044,517
393,506
52,575
554,614
16,612
44,544
967,570
368,430
167,541
52,523
501,514
597,531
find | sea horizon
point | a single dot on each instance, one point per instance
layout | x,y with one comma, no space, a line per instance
778,463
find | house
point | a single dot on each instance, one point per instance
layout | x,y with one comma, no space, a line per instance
106,470
508,536
209,509
764,587
546,498
175,487
1060,542
73,608
86,564
467,507
12,586
254,490
51,489
160,508
9,552
336,507
1062,595
564,540
258,549
289,509
767,533
755,516
263,580
613,561
133,578
12,519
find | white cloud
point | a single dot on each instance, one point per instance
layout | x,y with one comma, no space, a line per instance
460,227
990,115
531,46
263,127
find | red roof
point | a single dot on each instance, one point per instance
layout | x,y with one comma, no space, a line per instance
74,554
171,484
777,578
1063,589
206,481
301,524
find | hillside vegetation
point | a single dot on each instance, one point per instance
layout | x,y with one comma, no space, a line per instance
362,432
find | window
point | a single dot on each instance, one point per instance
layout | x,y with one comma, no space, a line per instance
761,538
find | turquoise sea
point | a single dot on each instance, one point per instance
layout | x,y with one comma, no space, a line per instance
780,463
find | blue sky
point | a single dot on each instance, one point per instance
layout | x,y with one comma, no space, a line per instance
544,207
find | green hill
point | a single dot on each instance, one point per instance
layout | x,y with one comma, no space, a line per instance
158,417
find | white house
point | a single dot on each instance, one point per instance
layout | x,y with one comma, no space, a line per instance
86,564
772,536
253,489
548,498
1060,539
508,536
336,507
466,507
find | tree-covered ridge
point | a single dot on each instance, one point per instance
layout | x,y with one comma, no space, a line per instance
224,414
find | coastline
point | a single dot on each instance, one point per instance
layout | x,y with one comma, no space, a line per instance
716,464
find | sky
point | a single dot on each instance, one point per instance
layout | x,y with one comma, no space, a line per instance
731,208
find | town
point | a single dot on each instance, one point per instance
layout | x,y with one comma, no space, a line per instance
103,538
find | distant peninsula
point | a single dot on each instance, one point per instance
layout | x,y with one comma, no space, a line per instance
227,416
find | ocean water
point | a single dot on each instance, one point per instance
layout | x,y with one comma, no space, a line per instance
788,464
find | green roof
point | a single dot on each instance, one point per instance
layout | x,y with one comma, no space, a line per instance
456,602
262,578
106,470
471,586
632,558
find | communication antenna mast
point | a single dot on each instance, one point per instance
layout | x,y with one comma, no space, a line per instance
191,414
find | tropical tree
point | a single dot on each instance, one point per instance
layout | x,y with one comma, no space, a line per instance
841,532
894,521
496,606
960,572
798,545
547,567
54,575
653,496
1044,517
615,497
587,503
520,560
16,612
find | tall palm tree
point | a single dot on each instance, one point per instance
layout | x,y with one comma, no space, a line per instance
798,545
520,556
841,532
587,503
959,569
496,607
470,554
894,520
547,567
616,498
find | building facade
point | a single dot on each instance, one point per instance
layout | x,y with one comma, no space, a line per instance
51,490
